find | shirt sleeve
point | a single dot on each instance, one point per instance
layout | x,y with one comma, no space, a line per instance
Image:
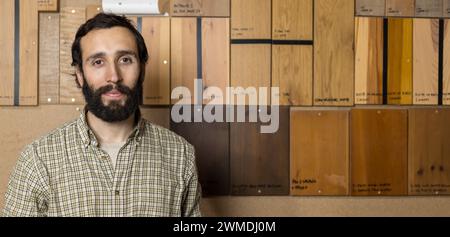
192,195
28,191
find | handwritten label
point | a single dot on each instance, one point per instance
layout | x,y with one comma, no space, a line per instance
281,33
186,9
302,184
372,188
430,188
322,100
370,7
429,8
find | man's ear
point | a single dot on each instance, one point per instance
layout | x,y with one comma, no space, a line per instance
79,76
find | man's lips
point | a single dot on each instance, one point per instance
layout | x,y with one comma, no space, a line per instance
114,94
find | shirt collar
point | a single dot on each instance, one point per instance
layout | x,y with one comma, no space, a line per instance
88,137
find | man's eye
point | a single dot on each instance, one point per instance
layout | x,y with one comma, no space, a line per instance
126,60
97,62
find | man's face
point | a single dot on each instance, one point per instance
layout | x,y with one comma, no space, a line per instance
111,70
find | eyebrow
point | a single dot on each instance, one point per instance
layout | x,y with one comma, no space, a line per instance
120,52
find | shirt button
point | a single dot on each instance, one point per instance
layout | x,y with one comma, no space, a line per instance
117,192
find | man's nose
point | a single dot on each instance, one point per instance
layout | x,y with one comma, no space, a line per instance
114,74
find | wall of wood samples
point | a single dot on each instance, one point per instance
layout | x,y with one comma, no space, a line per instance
363,86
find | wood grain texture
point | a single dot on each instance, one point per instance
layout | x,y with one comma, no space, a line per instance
251,19
48,5
260,162
379,152
292,73
215,57
70,20
370,7
319,152
334,53
212,8
49,58
403,8
29,42
211,152
183,54
446,65
7,49
368,60
429,8
429,149
250,67
400,40
156,33
426,61
292,19
92,10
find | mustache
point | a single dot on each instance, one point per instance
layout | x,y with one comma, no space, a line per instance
119,87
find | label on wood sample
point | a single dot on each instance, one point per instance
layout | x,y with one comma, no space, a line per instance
370,7
428,8
403,8
48,5
216,8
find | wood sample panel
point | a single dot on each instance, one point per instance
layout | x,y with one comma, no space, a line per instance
71,17
260,162
292,73
292,19
446,65
402,8
334,53
379,152
426,61
48,58
429,8
215,58
212,8
156,33
48,5
446,8
319,152
7,49
211,151
184,55
251,19
370,7
250,67
369,60
29,42
429,151
400,40
214,55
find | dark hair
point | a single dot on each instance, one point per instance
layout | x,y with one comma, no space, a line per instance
106,21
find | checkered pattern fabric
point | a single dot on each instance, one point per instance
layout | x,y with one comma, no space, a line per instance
65,173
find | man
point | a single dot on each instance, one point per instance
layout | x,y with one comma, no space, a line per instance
110,161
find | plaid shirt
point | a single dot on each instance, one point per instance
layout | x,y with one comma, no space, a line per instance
66,174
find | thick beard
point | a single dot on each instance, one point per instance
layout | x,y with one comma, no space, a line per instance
114,112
